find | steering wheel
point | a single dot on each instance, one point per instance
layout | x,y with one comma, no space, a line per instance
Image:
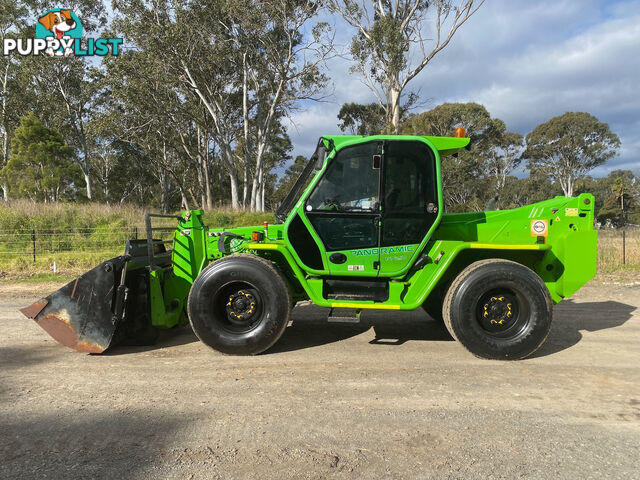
332,204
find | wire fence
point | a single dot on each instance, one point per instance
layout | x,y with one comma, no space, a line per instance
619,247
33,243
616,247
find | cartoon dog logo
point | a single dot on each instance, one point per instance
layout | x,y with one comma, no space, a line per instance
59,23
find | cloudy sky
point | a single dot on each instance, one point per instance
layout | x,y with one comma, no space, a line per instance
526,61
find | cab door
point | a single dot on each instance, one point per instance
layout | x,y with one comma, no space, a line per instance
410,205
344,210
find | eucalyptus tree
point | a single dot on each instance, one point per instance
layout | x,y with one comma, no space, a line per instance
503,155
187,45
490,155
368,119
13,17
247,63
280,66
569,146
395,40
65,92
142,106
60,90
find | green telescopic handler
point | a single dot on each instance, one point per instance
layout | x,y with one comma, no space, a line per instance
362,228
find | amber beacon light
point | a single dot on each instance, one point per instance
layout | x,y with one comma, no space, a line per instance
460,132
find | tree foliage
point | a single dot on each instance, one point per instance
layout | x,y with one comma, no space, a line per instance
569,146
289,178
361,119
194,110
41,166
478,174
391,47
617,197
265,64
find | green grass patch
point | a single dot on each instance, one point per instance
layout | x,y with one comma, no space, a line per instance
80,236
40,278
225,219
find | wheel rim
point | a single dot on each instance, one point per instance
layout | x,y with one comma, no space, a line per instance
502,313
239,307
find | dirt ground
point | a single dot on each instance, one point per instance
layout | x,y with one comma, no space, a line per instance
328,401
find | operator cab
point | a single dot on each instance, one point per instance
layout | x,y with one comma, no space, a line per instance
370,209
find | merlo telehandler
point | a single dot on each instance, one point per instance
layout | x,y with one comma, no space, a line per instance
366,231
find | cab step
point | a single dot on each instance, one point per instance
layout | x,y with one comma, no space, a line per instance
344,315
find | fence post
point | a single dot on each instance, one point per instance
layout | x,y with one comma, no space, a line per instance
624,247
136,232
33,241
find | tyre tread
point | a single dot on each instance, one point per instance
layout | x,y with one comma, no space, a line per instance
466,273
278,278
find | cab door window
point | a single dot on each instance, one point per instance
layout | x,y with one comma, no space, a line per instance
350,183
343,206
410,192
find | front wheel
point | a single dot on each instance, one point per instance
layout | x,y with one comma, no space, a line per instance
239,305
498,309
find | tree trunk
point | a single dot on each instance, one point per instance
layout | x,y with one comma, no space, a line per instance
227,155
262,197
185,201
260,202
395,109
207,183
76,119
88,182
225,148
233,177
164,181
258,175
570,183
5,131
107,175
85,168
247,139
200,167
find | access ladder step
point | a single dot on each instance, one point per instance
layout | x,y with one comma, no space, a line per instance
344,315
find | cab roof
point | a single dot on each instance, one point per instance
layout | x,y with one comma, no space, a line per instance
444,145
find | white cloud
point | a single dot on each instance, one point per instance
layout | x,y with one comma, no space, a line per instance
526,62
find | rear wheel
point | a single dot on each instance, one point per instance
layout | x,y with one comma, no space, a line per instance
239,305
498,309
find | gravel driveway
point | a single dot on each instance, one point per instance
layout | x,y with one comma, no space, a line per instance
393,397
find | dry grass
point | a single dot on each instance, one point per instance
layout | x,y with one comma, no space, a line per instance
610,257
21,215
79,236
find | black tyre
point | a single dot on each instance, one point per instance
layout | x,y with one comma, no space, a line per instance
498,309
239,305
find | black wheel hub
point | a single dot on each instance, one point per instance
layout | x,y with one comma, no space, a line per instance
243,307
497,312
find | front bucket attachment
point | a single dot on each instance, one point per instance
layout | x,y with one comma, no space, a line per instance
84,314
